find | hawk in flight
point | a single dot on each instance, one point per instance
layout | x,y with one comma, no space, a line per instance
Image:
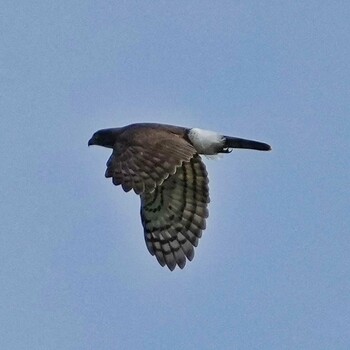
162,164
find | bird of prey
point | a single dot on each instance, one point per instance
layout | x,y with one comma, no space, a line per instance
162,164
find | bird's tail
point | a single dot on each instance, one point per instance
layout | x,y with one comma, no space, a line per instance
235,142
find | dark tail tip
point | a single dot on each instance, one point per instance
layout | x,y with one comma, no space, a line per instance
235,142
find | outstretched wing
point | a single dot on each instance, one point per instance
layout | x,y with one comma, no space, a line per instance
173,215
141,161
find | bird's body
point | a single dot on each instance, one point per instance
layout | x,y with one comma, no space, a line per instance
162,164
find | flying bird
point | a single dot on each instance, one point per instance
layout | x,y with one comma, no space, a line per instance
162,164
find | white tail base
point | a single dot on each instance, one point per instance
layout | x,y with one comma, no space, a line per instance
205,141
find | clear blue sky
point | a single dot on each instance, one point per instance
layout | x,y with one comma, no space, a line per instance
272,270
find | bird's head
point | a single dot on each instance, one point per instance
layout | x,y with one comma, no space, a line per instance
105,137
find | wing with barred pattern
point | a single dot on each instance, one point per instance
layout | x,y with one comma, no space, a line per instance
174,214
147,158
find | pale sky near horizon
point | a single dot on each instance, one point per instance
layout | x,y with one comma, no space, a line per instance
272,269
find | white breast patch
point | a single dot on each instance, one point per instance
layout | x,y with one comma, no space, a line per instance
205,141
